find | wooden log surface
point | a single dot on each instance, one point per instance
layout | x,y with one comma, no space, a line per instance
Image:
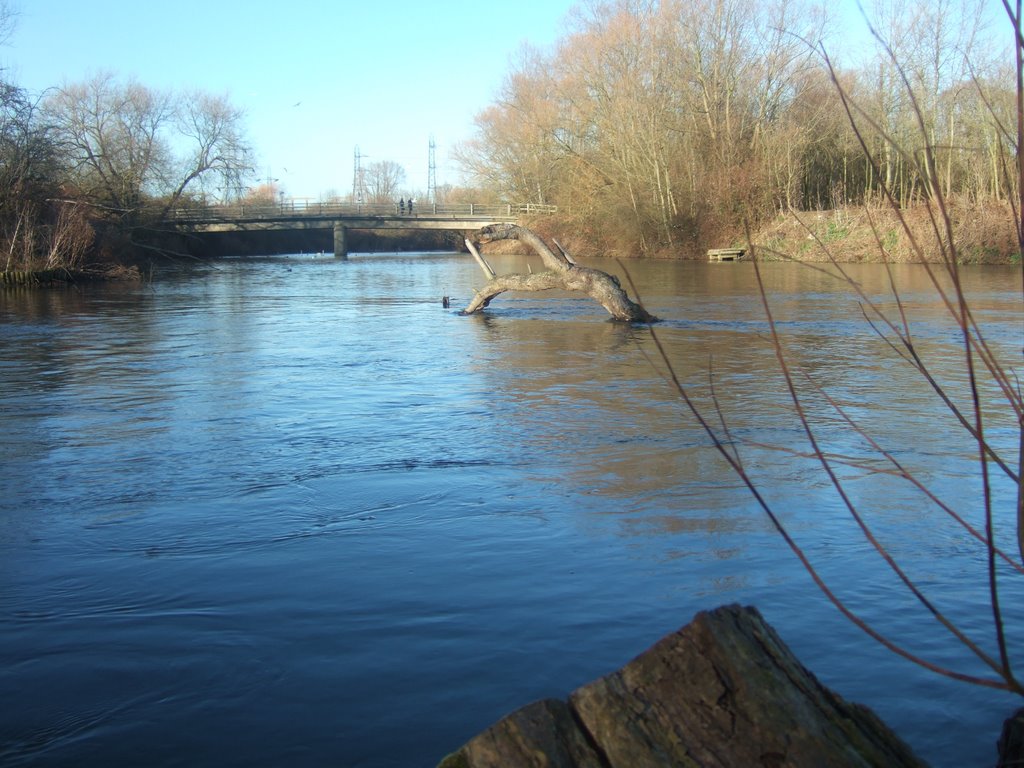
561,272
723,691
487,268
1011,742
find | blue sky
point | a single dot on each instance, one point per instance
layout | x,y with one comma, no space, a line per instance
316,77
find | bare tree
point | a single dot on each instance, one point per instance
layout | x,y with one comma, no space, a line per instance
126,144
215,150
383,180
29,178
518,152
939,47
656,125
8,20
112,136
649,116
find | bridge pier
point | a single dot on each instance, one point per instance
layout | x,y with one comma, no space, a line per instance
340,246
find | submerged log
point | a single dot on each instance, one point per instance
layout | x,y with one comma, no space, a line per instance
722,691
561,272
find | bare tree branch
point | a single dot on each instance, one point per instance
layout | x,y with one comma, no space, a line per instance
560,273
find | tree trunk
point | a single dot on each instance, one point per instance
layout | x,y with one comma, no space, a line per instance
1011,742
723,691
560,273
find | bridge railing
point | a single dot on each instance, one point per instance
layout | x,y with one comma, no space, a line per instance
301,208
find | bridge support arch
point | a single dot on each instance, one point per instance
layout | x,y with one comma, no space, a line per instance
340,241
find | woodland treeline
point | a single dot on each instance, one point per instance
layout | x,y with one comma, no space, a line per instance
87,171
659,125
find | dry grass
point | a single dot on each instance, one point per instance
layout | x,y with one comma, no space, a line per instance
982,234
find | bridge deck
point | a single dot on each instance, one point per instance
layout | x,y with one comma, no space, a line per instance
345,216
345,212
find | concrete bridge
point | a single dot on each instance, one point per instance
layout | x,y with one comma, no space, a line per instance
342,217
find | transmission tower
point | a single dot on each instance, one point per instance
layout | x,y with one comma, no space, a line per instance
358,178
431,174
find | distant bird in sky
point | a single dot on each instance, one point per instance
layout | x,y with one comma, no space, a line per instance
296,103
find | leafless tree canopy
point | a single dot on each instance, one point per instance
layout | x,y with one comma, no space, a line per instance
8,20
125,142
654,125
383,180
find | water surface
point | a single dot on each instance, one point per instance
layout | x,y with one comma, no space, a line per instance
290,509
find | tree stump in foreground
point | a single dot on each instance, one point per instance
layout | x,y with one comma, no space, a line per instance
722,691
1011,742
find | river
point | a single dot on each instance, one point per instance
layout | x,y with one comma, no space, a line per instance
291,510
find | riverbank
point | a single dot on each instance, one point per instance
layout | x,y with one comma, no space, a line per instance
61,276
854,234
877,233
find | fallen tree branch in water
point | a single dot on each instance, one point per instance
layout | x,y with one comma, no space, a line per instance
561,272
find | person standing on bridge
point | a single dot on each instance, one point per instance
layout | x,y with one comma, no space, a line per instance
401,206
410,206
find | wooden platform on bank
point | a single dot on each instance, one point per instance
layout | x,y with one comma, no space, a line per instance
726,254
